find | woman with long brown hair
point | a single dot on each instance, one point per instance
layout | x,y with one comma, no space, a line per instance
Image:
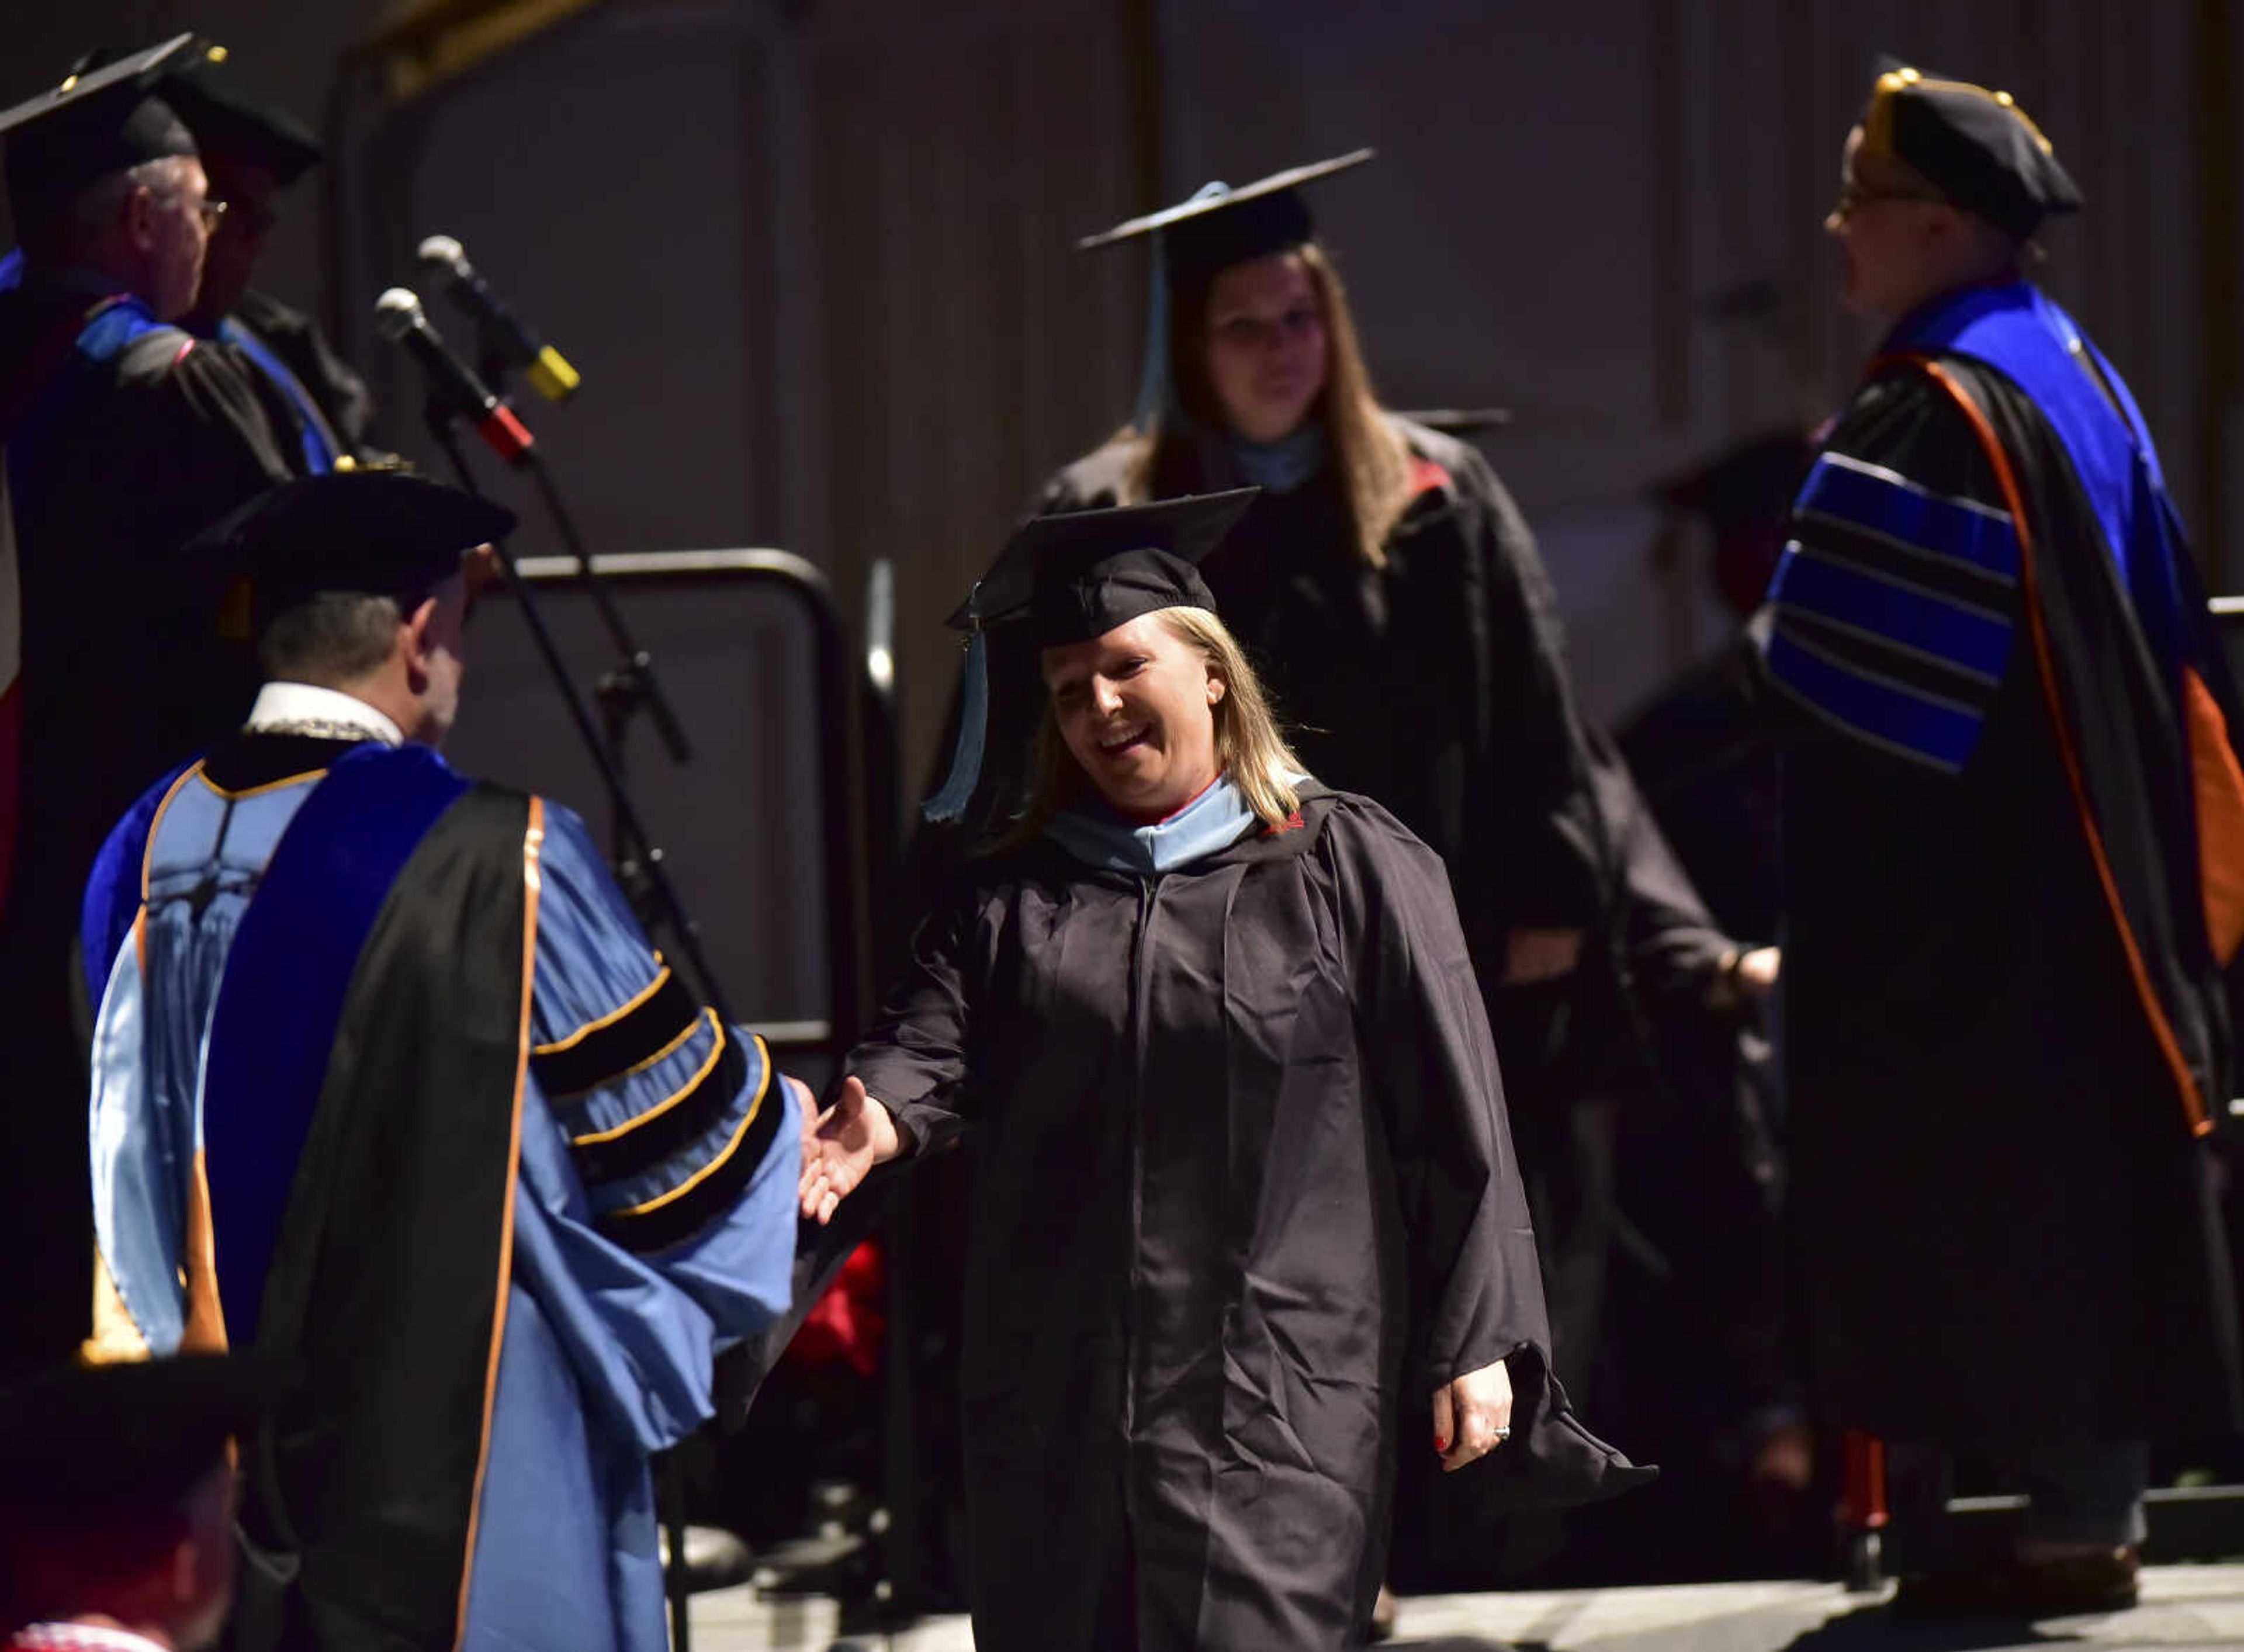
1383,582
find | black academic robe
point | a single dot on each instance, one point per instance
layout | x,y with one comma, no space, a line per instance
2009,1233
125,670
1244,1187
334,385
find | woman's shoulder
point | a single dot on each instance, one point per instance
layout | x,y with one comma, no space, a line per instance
1449,470
1368,860
1104,477
1354,823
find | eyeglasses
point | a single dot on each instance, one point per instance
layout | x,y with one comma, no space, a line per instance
207,209
1854,197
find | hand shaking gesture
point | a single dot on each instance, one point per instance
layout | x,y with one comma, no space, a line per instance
848,1139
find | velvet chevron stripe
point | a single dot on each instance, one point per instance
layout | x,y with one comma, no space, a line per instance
1881,711
1894,611
674,1217
629,1037
672,1125
1931,524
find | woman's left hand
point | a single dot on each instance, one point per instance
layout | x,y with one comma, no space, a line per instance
1472,1415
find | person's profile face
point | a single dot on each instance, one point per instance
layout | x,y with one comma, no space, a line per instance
1267,354
203,1569
443,662
238,241
1135,708
1885,229
176,231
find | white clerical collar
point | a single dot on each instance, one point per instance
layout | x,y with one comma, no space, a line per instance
82,1637
304,709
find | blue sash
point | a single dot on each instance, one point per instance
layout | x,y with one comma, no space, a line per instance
113,324
2020,333
286,982
311,424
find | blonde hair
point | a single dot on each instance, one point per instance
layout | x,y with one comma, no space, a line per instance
1250,748
1370,456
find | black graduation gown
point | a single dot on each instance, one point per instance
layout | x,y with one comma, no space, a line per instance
333,384
124,673
1244,1182
1698,1178
2009,1236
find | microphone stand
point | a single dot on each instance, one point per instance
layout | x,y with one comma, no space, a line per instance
631,686
646,878
623,692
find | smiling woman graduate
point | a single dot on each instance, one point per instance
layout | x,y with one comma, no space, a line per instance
1244,1176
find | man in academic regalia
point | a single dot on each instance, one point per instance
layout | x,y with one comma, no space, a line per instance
122,436
117,1500
388,1084
2014,865
253,153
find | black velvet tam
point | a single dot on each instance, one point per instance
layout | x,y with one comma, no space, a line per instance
225,119
1976,146
142,1432
375,531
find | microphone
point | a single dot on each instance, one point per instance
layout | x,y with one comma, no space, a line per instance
399,318
510,341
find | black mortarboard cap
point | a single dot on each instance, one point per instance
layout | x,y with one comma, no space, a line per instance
1081,573
377,531
141,1433
1976,146
90,125
208,96
1072,577
1221,225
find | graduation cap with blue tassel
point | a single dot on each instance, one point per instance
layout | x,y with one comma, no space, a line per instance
1072,577
1216,227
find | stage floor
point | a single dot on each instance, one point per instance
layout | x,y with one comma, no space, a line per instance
2184,1607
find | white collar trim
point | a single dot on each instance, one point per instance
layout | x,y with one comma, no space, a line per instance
282,704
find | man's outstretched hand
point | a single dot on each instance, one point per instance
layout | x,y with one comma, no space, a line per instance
851,1137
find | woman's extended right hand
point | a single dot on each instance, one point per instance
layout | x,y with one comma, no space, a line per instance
853,1136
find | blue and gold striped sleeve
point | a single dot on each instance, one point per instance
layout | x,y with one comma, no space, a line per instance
1893,612
668,1112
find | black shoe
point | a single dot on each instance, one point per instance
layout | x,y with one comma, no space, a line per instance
714,1559
2028,1589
